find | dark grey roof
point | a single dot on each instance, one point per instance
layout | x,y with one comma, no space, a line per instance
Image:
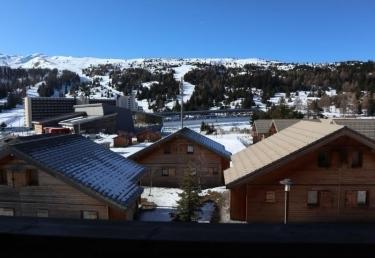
124,118
192,136
54,120
363,126
86,164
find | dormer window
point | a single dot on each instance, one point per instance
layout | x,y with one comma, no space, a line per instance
190,149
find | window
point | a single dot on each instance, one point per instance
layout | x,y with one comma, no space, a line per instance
165,172
323,159
362,198
343,156
312,198
41,213
213,171
356,159
89,215
6,211
270,197
3,177
167,149
190,149
32,177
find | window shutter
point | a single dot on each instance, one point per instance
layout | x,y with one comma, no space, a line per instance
350,199
326,199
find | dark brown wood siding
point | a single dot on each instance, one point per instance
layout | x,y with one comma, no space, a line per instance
209,166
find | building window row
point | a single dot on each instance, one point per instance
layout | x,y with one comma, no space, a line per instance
189,148
324,198
168,172
356,161
27,178
44,213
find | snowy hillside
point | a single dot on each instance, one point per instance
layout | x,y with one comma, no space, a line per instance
76,64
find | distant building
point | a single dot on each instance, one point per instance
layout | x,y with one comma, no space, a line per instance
39,108
42,112
44,107
363,126
263,128
330,167
91,124
122,140
148,135
184,151
67,176
40,125
128,101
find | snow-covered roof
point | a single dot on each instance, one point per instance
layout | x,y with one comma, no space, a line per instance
192,136
85,164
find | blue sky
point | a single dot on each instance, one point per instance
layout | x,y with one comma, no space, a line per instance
288,30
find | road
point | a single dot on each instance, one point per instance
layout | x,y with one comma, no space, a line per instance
215,121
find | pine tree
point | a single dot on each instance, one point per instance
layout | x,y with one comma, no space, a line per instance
189,201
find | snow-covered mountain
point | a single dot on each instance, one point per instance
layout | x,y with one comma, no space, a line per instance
76,64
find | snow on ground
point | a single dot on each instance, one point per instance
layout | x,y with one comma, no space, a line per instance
149,84
188,87
230,141
161,196
14,117
168,197
32,91
144,104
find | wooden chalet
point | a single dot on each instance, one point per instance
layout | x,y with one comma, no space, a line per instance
260,129
67,176
331,168
182,152
122,140
264,128
148,135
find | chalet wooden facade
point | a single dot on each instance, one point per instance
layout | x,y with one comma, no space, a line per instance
183,152
260,129
122,140
331,168
48,177
148,135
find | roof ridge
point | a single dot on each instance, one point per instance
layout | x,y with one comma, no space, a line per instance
268,143
43,138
